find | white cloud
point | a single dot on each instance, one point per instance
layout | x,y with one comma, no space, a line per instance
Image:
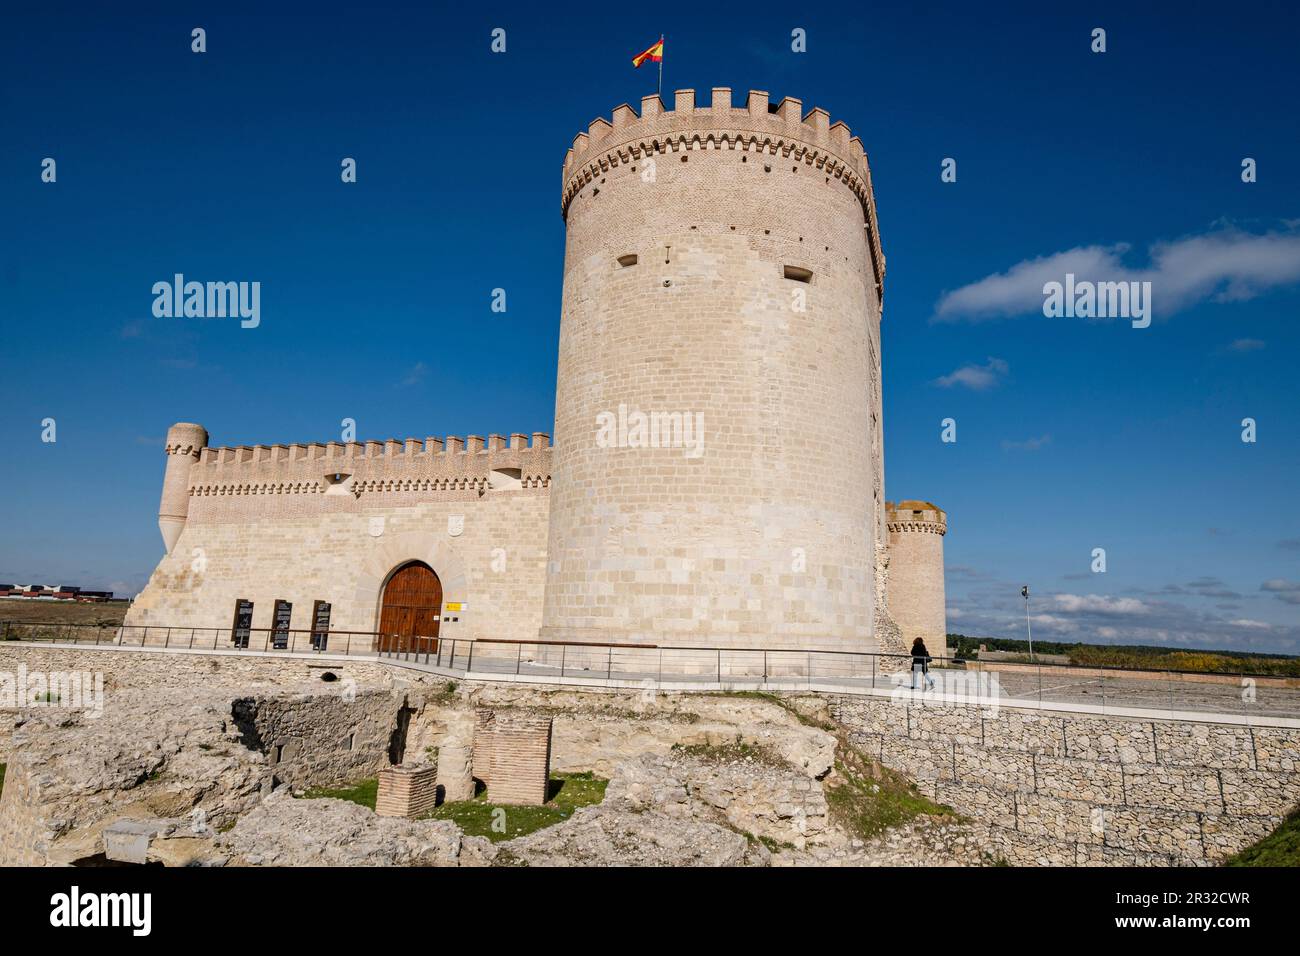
1283,590
1098,604
1029,444
1225,264
978,377
1246,345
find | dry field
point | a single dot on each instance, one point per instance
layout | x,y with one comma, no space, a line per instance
62,612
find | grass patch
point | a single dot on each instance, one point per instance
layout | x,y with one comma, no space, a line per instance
1279,848
363,793
867,798
446,695
480,816
737,752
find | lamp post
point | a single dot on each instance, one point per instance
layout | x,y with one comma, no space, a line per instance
1024,593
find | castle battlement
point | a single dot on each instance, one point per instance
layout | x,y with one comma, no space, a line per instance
920,516
757,127
395,464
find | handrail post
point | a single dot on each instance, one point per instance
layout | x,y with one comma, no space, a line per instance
564,650
167,641
609,663
469,663
519,656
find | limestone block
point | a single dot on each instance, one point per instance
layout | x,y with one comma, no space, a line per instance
1204,745
1259,792
982,803
1058,819
1115,740
920,760
1033,733
1183,788
455,773
993,767
1079,780
1277,748
127,841
1226,834
1154,831
959,725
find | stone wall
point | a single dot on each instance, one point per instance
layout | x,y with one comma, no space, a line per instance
198,755
690,233
486,545
1087,790
157,670
324,738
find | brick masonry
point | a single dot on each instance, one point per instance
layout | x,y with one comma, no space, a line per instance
512,755
407,792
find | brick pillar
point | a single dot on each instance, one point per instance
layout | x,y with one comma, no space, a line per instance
512,755
406,791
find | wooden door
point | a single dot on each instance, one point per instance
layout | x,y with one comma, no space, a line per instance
411,611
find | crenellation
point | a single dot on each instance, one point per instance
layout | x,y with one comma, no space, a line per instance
808,139
390,467
624,116
790,110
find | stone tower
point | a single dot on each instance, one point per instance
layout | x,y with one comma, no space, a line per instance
717,477
184,444
916,598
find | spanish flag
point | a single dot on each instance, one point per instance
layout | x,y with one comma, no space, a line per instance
655,54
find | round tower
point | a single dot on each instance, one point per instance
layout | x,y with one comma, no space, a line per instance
185,442
915,583
717,472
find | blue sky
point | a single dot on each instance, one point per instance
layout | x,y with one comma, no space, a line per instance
1072,434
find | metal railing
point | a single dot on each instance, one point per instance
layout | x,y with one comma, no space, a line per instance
1087,688
264,639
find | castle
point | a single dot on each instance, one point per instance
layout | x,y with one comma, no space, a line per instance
717,475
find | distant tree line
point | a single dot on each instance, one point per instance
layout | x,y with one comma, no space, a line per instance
1137,656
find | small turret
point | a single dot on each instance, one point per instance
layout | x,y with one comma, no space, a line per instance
185,442
915,586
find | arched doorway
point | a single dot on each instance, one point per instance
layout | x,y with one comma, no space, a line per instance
411,610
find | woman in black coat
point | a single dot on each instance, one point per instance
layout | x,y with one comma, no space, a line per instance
921,663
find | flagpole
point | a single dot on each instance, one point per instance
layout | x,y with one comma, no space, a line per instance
661,66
